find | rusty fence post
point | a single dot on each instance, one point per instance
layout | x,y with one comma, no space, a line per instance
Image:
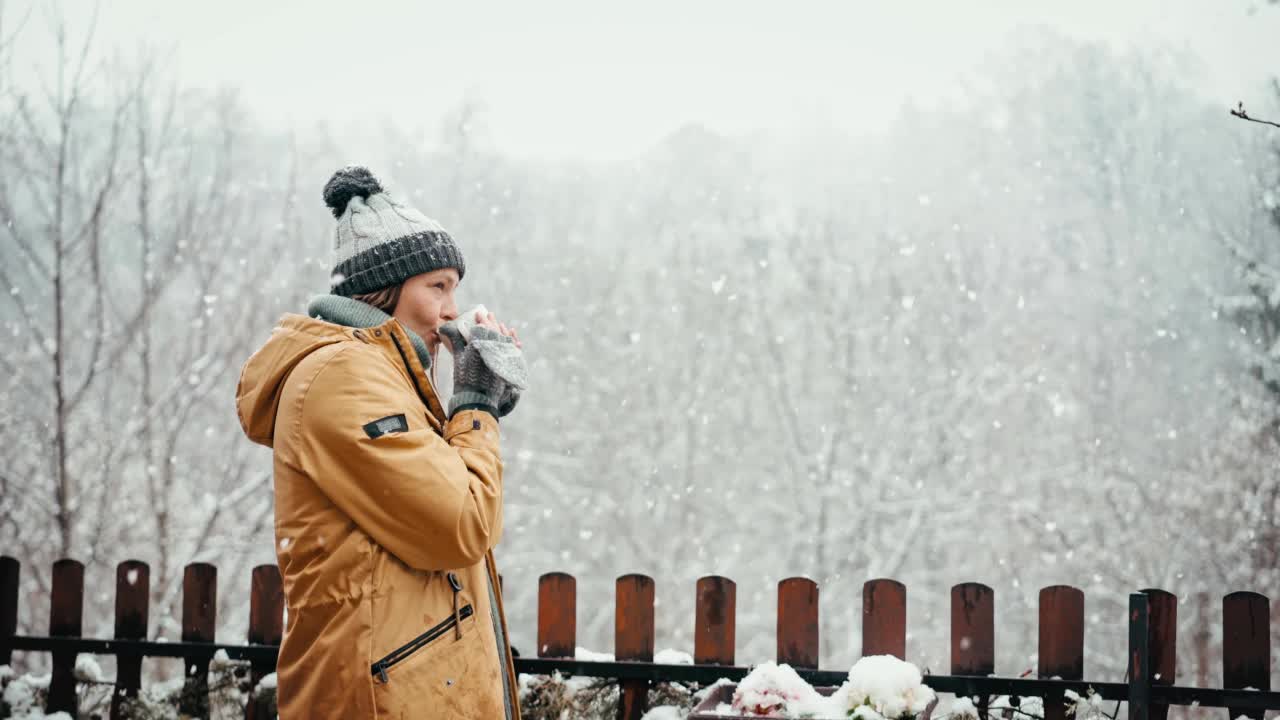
1139,656
797,629
266,627
64,621
884,618
714,625
973,634
1061,652
133,604
1162,642
1246,645
557,615
634,639
199,618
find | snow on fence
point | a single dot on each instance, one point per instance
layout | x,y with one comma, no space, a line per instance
1148,689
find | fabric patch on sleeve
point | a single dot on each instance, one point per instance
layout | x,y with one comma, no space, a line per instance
387,425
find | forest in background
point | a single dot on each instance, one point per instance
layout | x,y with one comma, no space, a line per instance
1028,336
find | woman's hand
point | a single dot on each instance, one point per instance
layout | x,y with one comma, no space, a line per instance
488,363
488,320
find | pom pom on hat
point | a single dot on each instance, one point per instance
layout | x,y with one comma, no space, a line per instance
349,182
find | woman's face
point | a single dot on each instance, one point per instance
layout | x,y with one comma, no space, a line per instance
427,302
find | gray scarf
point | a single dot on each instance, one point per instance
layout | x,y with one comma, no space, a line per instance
350,312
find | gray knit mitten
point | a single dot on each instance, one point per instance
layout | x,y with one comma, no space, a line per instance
488,368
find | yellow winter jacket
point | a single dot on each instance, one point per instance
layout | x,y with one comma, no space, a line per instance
385,519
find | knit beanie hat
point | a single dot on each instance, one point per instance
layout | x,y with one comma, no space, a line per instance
379,241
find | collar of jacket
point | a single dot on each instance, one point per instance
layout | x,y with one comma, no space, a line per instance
352,313
355,314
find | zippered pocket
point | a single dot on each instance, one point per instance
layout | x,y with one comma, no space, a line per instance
402,653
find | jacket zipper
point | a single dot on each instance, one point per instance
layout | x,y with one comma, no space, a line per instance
379,668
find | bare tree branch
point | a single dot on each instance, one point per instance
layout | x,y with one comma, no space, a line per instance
6,42
93,228
35,137
1239,112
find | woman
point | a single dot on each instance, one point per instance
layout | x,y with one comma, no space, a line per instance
387,507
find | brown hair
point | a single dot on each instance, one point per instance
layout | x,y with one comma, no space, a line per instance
385,299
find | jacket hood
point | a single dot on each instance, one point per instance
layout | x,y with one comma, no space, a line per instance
264,374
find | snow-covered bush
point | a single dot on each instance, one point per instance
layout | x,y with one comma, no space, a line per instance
24,696
546,697
880,687
1088,707
772,690
157,701
87,669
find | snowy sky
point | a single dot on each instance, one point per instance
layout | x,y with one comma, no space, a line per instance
590,78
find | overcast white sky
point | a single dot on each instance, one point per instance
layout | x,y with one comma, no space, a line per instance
592,78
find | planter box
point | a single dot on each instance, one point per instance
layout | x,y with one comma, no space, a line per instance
706,710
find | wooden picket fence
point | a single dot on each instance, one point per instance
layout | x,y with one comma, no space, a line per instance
1149,688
